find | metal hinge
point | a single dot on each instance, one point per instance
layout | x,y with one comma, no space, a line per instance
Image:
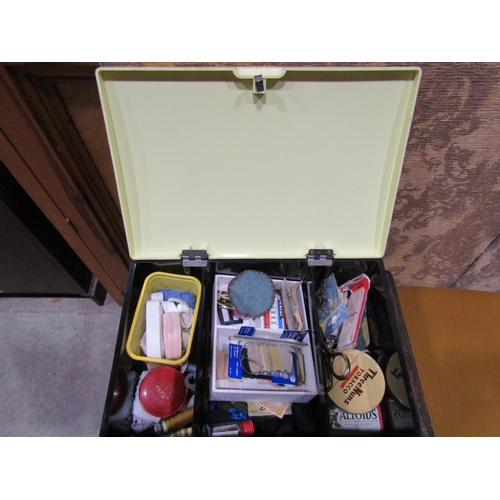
320,257
194,258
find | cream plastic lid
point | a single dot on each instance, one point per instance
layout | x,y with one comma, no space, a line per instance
364,388
204,161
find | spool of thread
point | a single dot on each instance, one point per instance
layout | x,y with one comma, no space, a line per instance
190,380
229,429
187,432
176,422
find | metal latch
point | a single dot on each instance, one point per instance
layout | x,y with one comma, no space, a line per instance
320,257
259,85
194,258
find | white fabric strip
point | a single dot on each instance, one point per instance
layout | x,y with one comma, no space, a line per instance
154,340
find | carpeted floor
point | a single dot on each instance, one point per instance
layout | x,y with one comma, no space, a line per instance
56,357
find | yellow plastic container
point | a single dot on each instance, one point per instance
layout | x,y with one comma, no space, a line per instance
153,283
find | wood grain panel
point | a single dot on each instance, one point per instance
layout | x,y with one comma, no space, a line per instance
55,70
36,125
32,187
77,167
81,99
456,344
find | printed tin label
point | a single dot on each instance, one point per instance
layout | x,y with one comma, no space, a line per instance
364,387
395,381
369,422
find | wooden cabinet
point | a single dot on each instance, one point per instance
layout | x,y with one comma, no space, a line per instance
53,141
35,259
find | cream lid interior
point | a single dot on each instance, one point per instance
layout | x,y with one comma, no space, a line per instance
203,162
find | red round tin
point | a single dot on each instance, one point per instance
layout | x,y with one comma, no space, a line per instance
163,391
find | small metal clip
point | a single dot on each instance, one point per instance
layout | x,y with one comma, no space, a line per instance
259,85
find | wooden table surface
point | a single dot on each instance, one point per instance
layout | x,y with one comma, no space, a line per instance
455,337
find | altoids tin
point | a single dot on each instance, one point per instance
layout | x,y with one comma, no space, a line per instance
363,389
395,381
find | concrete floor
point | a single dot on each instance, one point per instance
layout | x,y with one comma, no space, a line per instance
56,357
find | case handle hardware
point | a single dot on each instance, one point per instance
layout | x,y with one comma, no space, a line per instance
265,72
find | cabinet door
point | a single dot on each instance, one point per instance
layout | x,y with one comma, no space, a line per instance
35,259
52,140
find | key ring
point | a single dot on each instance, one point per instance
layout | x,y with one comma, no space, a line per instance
347,364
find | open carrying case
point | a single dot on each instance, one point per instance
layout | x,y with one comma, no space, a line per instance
289,171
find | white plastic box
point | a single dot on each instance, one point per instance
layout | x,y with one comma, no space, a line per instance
222,388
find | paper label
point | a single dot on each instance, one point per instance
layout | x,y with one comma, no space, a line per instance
332,308
291,378
246,331
273,319
294,335
370,421
283,375
250,331
234,368
401,417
